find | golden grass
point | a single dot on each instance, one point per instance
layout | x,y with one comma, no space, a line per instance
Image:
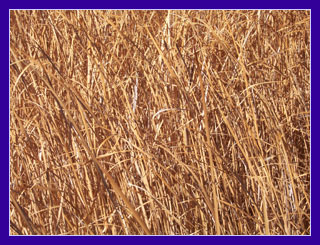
159,122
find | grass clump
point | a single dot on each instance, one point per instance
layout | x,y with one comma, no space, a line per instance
159,122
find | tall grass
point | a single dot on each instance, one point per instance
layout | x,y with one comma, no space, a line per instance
159,122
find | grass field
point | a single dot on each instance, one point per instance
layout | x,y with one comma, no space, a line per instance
159,122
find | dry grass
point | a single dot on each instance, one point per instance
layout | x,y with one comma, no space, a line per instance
159,122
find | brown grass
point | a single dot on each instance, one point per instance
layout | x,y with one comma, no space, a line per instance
159,122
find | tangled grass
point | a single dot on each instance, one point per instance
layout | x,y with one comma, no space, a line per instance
159,122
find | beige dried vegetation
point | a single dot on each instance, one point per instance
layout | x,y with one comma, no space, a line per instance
159,122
